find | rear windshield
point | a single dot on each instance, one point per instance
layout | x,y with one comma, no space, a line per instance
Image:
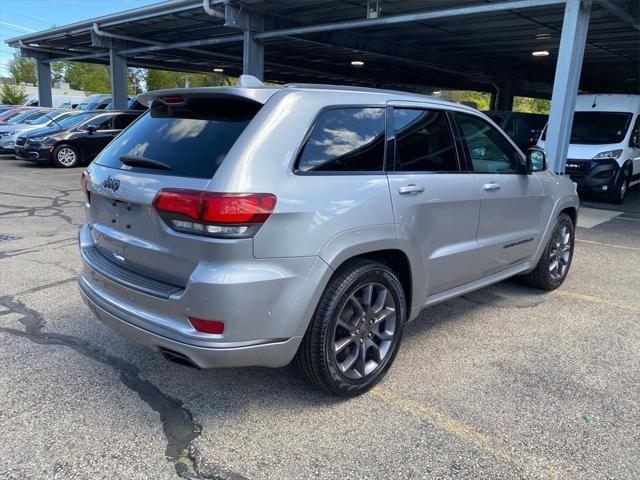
597,128
192,139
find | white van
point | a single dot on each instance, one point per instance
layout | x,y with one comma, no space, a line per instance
604,154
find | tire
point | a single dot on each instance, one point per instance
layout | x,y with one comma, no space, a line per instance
66,156
544,276
619,192
376,331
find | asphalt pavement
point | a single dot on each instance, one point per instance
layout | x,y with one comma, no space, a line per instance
505,382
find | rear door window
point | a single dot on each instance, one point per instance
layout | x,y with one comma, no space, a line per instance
349,139
192,138
423,141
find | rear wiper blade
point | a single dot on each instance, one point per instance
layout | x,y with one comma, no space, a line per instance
135,161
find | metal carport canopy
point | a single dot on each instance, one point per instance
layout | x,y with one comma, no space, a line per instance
411,44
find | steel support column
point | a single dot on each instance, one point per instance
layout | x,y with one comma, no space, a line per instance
504,96
252,55
118,72
43,73
566,82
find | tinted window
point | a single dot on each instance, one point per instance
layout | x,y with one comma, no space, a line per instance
102,122
488,149
345,140
423,141
598,127
73,120
123,121
193,139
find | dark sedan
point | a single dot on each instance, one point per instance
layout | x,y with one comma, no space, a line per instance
74,140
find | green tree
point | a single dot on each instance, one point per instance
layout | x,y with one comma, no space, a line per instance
531,105
91,78
57,71
159,79
480,99
23,69
12,94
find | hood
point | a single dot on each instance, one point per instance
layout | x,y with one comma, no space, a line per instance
584,151
18,127
9,127
42,131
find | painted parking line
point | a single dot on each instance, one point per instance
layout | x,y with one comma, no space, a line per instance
532,466
598,300
591,217
610,245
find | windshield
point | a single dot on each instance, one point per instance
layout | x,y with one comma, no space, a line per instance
596,128
21,116
192,139
74,120
39,118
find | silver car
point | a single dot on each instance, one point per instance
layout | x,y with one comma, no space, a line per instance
239,226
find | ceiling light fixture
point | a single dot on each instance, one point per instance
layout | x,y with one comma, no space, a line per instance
540,53
218,70
357,63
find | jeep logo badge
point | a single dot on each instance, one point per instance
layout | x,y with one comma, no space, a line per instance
111,183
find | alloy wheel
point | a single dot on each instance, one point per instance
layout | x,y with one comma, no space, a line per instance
66,156
364,331
560,253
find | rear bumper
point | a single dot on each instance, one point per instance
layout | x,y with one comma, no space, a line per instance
271,354
266,312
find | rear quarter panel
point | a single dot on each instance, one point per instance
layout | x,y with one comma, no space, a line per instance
311,209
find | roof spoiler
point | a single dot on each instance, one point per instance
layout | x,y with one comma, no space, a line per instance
247,88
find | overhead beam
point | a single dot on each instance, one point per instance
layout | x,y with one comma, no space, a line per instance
620,13
565,85
408,18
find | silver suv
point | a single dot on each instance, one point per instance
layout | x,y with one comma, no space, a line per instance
242,226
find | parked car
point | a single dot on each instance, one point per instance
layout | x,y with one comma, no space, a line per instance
8,115
25,117
96,101
523,128
604,153
132,104
75,140
57,101
238,226
10,133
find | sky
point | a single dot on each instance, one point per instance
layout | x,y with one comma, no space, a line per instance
21,17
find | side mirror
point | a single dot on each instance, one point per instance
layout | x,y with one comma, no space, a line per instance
91,129
536,160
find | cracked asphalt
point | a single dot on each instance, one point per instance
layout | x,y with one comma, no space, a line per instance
503,383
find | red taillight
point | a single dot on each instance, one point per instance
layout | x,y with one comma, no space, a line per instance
84,181
183,202
207,326
218,214
238,207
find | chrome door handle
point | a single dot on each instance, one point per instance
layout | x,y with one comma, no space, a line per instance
492,187
408,189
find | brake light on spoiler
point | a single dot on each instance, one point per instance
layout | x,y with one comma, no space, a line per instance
234,215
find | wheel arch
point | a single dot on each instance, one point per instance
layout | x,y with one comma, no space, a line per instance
396,260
